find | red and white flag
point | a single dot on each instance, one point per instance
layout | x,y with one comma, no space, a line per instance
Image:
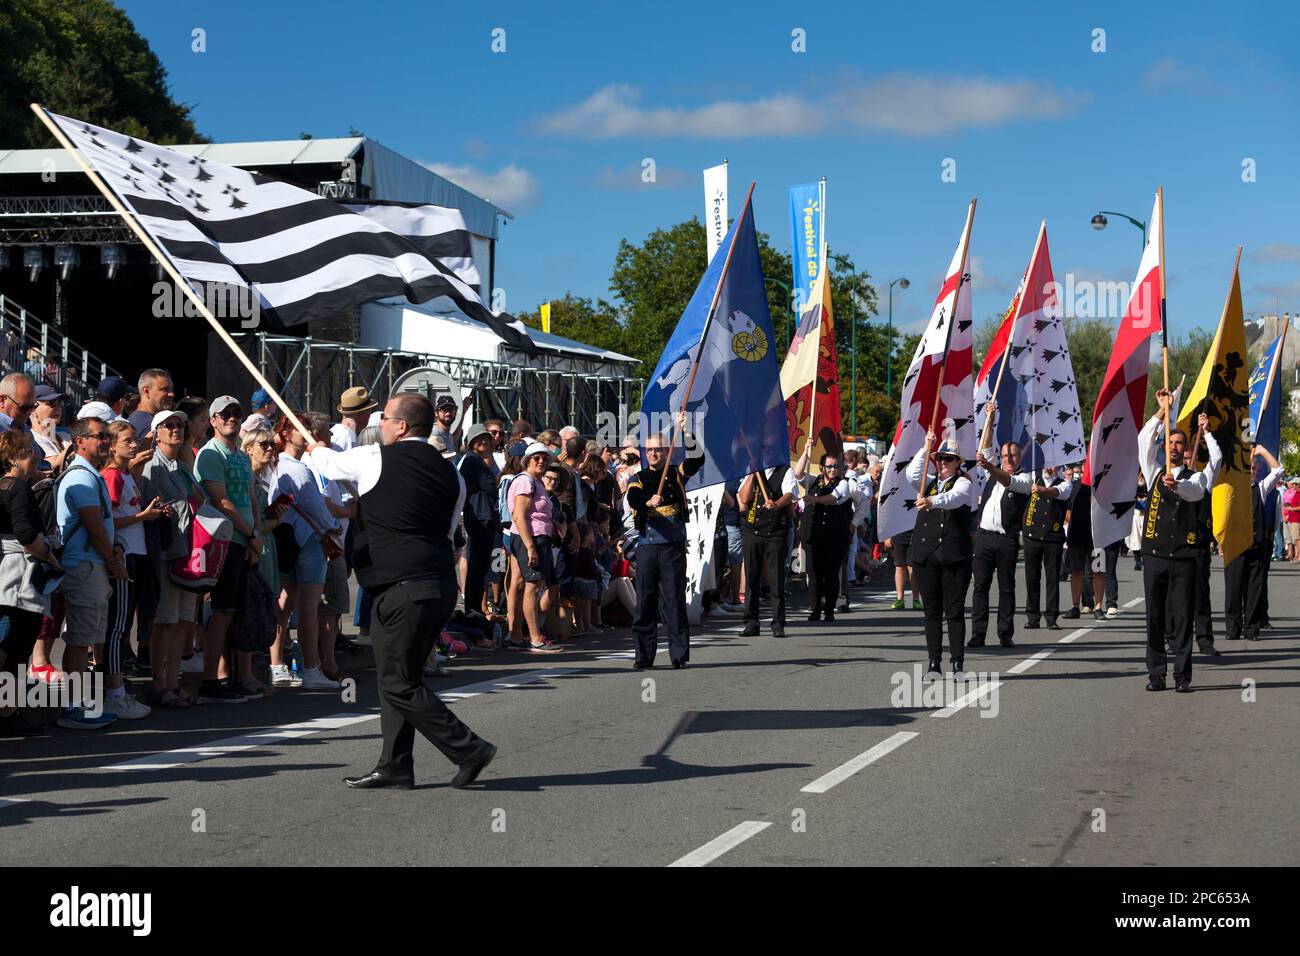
947,346
1112,468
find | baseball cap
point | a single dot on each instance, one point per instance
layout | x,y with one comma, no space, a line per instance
221,403
536,448
445,401
164,415
96,410
260,397
112,389
47,393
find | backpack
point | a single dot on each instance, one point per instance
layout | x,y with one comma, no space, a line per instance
46,492
209,533
253,626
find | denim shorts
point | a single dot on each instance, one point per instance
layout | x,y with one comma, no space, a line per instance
735,548
310,566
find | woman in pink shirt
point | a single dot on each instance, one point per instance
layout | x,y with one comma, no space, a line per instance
531,530
1291,517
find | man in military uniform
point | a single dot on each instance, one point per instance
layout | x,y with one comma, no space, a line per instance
1044,532
657,497
1169,548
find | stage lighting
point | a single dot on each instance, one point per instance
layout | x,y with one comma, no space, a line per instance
65,257
33,262
110,257
4,257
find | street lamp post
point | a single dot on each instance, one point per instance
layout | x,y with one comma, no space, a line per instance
889,341
853,342
1099,222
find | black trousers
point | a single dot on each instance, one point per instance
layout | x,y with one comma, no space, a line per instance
1204,616
1170,585
1042,566
1245,580
405,620
1110,582
994,552
943,593
661,593
827,562
760,552
21,628
478,560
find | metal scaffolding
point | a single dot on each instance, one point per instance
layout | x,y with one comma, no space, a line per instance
550,390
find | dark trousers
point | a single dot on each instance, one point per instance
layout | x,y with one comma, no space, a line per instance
18,632
1204,616
1245,582
994,552
661,593
760,552
1110,582
1170,585
478,559
943,592
1042,567
827,561
405,621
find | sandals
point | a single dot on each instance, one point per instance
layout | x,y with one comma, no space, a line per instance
170,699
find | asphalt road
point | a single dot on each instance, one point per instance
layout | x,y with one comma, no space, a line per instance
804,751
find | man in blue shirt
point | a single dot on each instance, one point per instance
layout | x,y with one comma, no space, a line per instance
85,518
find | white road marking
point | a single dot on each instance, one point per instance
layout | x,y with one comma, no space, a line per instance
1135,602
965,700
728,841
1074,635
10,801
1029,662
848,769
171,759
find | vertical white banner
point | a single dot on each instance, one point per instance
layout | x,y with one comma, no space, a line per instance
715,207
702,506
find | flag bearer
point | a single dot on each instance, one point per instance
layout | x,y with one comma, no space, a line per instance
1246,576
1044,531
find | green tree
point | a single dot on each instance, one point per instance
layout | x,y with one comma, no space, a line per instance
595,323
83,58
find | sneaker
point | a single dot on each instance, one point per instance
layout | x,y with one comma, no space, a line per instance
192,664
46,674
1100,615
127,707
437,670
215,692
917,605
898,605
1087,609
246,689
1112,612
77,719
281,676
314,679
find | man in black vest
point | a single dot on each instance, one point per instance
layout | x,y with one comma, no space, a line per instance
827,525
410,497
657,496
1204,628
1169,549
997,541
1246,576
764,500
1044,531
941,550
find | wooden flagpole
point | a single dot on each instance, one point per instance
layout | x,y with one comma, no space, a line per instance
952,321
1020,310
695,366
163,260
1164,325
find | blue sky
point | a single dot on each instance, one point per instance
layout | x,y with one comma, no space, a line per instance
556,127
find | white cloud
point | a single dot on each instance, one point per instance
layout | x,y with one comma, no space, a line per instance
902,104
1169,74
630,177
1277,252
510,187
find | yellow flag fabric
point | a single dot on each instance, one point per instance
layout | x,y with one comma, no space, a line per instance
546,316
1222,391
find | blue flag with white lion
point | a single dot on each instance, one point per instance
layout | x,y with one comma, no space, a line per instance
734,408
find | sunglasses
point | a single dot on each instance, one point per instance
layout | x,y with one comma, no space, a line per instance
946,458
229,416
266,445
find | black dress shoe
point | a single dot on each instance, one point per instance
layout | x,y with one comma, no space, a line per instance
749,630
381,779
1031,625
1053,626
1252,637
17,725
472,767
814,616
640,666
1156,683
1211,651
843,608
1072,614
1182,687
679,665
975,643
830,615
1007,643
778,630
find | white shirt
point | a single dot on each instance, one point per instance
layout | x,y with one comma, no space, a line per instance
960,494
362,466
788,483
863,491
841,489
342,438
1152,449
990,518
1268,483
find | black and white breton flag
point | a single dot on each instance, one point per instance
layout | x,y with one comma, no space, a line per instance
437,231
304,257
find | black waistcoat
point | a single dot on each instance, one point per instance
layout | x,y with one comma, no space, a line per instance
1170,529
761,520
942,535
1045,517
830,522
1013,507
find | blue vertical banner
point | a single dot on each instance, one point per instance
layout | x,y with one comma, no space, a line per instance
1266,400
807,224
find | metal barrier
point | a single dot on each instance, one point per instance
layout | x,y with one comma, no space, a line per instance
32,345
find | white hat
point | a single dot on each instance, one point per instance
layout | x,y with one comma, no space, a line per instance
165,415
97,410
536,448
948,447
